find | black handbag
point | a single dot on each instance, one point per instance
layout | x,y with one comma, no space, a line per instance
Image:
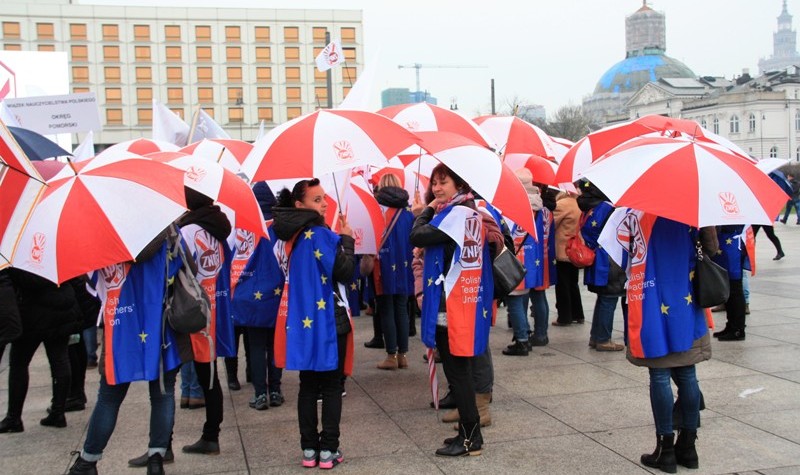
508,272
711,283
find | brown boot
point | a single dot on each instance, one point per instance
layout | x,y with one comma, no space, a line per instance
402,361
389,363
450,416
482,400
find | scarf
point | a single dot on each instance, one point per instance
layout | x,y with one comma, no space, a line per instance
457,199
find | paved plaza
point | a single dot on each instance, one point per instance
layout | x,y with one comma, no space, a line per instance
564,409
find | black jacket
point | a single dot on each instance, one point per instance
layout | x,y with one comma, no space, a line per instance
289,221
10,322
47,310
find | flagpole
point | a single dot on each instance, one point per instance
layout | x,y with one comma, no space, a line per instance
193,127
329,76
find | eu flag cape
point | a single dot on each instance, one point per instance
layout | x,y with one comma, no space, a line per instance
393,274
597,273
468,286
256,282
733,255
538,257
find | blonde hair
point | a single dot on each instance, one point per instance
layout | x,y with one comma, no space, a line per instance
389,179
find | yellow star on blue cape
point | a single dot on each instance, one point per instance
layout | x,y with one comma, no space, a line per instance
257,295
317,254
688,298
307,322
277,291
143,336
321,304
324,279
308,234
664,309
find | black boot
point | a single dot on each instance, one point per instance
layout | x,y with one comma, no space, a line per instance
663,458
232,368
142,460
685,452
83,467
155,464
468,442
11,424
54,419
734,335
519,348
447,402
724,331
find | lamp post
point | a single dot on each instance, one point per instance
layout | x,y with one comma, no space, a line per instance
239,102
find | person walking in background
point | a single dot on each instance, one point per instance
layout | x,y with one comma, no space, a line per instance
568,294
794,199
313,332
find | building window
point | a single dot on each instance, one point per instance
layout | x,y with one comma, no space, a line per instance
144,95
205,94
177,111
141,32
233,53
209,111
318,33
734,124
291,34
262,34
113,95
234,74
292,74
144,116
173,53
13,47
751,122
320,75
349,73
293,94
204,75
172,32
111,74
233,33
291,53
77,31
797,154
110,32
79,52
234,94
80,74
263,53
203,53
346,90
773,152
349,54
47,47
175,95
265,114
293,112
202,33
703,123
10,29
174,75
797,120
144,74
715,125
235,114
264,74
348,35
44,31
264,94
142,53
113,116
80,90
321,95
111,53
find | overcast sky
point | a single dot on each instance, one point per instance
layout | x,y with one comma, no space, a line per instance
549,52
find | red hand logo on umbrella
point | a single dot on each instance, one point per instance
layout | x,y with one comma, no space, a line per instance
729,204
344,151
37,251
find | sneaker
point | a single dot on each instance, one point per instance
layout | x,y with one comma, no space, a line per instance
259,403
310,458
275,399
328,459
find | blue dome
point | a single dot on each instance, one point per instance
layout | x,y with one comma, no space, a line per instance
631,74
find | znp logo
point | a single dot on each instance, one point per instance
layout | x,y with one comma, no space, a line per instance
471,252
209,254
245,244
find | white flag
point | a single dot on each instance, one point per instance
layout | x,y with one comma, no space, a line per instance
205,127
330,56
7,117
261,131
361,93
85,150
168,126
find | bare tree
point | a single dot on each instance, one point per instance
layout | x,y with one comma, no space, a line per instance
569,122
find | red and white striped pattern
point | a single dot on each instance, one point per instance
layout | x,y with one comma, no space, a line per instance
514,135
230,153
424,117
141,147
433,380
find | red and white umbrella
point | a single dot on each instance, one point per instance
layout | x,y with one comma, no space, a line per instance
20,188
326,141
230,153
561,147
141,147
424,117
593,146
696,183
221,185
483,170
101,212
364,215
542,169
413,170
514,135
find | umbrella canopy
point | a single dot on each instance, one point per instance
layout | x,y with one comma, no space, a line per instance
485,173
593,146
20,187
364,215
424,117
219,184
542,169
514,135
35,145
103,213
696,183
325,141
230,153
561,147
141,147
414,172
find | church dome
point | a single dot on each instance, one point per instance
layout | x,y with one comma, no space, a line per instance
632,73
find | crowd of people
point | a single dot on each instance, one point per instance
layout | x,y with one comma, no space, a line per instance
290,295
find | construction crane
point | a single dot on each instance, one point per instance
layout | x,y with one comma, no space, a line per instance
419,66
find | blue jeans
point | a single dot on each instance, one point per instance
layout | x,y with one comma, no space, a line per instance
661,400
190,387
517,312
90,341
540,311
746,285
393,310
265,376
603,317
792,203
104,416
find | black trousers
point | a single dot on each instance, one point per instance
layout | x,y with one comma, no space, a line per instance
458,370
77,363
770,232
735,306
20,357
213,397
232,363
568,293
329,385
